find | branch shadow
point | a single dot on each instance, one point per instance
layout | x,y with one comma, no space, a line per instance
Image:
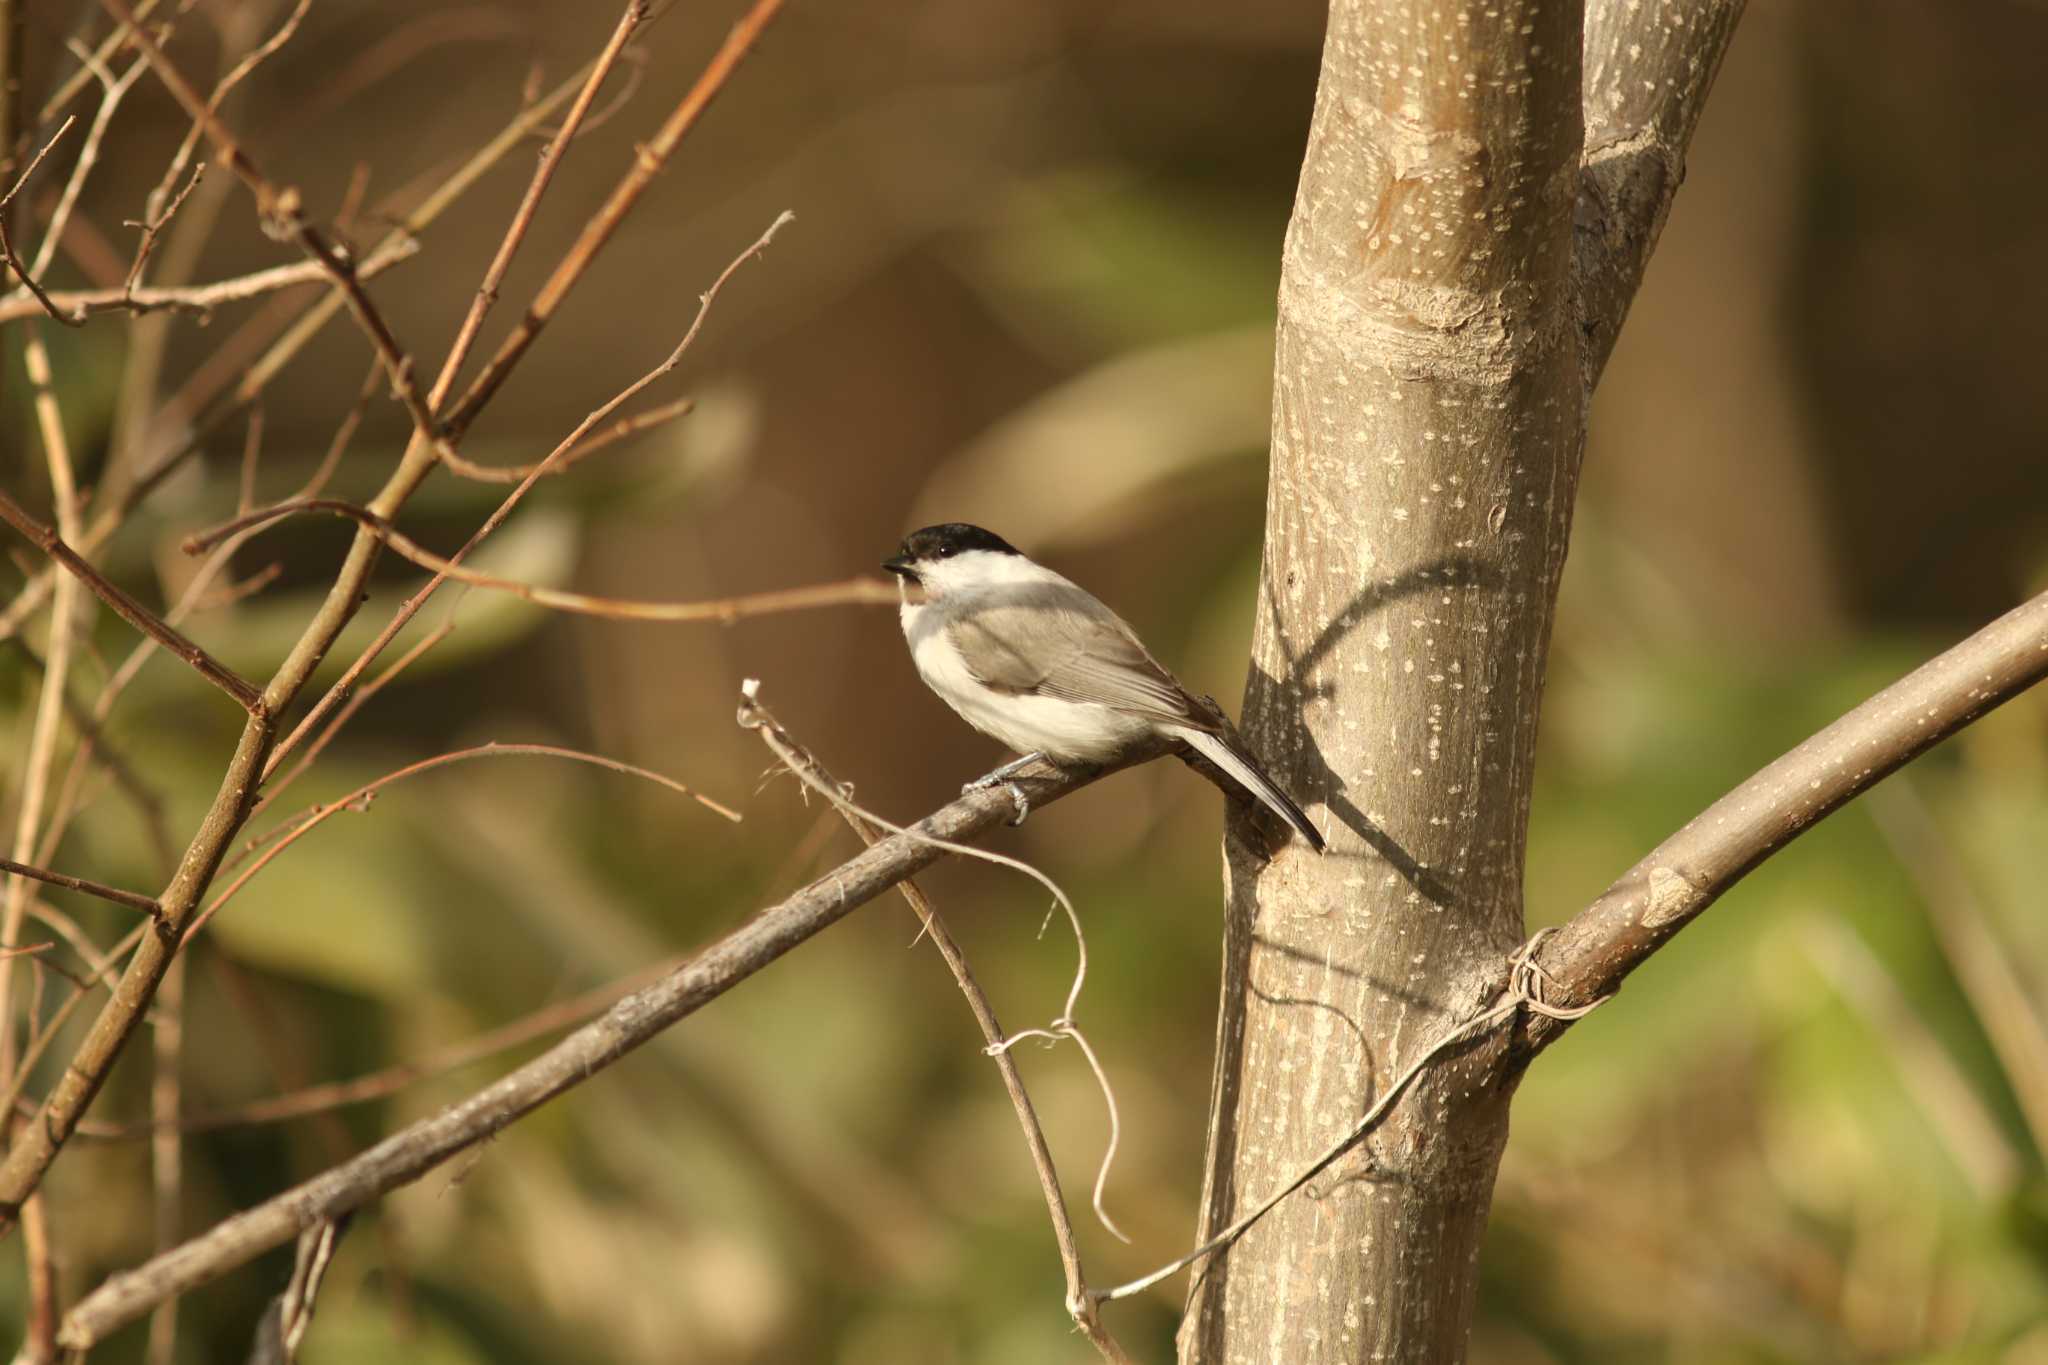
1262,688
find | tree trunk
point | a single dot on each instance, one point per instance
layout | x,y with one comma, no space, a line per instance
1427,426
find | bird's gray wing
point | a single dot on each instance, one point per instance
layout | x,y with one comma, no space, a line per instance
1057,642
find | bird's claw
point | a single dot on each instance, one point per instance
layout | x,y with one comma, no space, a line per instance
1002,775
1023,803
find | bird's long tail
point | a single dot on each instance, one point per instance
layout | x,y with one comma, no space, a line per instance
1245,770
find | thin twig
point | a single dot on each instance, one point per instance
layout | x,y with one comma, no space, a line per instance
361,699
167,1144
194,598
360,799
282,213
36,161
1079,1303
74,84
88,155
142,618
648,160
590,445
849,592
121,491
22,271
153,225
42,740
630,20
412,605
38,299
754,716
132,899
153,207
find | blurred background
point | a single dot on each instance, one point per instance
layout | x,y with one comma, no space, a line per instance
1030,284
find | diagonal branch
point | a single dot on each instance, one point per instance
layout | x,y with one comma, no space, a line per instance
630,21
283,216
1082,1302
134,900
407,1155
130,610
1688,872
648,160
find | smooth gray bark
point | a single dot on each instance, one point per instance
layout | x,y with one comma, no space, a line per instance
1455,272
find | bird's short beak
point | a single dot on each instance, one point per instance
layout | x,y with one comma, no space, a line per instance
900,565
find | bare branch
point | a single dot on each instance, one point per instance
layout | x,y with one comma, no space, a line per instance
36,1144
1588,958
153,224
122,491
42,739
130,610
88,156
273,790
21,269
202,298
154,212
647,162
590,445
36,161
630,20
167,1144
412,605
418,1148
283,217
134,900
74,84
40,1347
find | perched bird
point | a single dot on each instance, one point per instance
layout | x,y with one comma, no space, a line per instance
1038,663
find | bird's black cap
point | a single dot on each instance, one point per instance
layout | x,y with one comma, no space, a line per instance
942,541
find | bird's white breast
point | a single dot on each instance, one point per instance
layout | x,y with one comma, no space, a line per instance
1064,731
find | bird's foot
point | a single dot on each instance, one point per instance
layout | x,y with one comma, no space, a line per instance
1023,803
1002,775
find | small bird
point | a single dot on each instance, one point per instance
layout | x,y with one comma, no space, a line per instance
1038,663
